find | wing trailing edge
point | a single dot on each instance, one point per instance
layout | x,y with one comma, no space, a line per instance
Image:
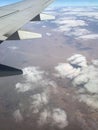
24,35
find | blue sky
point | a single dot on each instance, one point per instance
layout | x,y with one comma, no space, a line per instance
61,2
6,2
76,2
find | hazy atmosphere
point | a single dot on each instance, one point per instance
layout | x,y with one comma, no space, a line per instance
59,86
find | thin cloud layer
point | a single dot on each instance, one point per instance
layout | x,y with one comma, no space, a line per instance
84,13
85,79
81,11
66,25
78,9
78,22
70,22
89,36
77,32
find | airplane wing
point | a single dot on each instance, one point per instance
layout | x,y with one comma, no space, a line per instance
13,17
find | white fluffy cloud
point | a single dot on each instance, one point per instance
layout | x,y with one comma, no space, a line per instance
88,78
80,80
66,70
85,79
32,74
78,60
90,100
73,68
57,117
95,63
38,101
23,87
34,78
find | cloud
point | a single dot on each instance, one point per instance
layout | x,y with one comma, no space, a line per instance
77,9
32,74
23,87
77,32
38,101
64,28
90,100
73,68
76,22
89,36
56,117
66,70
81,12
71,26
48,34
17,116
86,78
68,24
44,26
59,118
95,63
81,79
44,117
34,78
78,60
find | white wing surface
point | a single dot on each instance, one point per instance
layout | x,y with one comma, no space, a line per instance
14,16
